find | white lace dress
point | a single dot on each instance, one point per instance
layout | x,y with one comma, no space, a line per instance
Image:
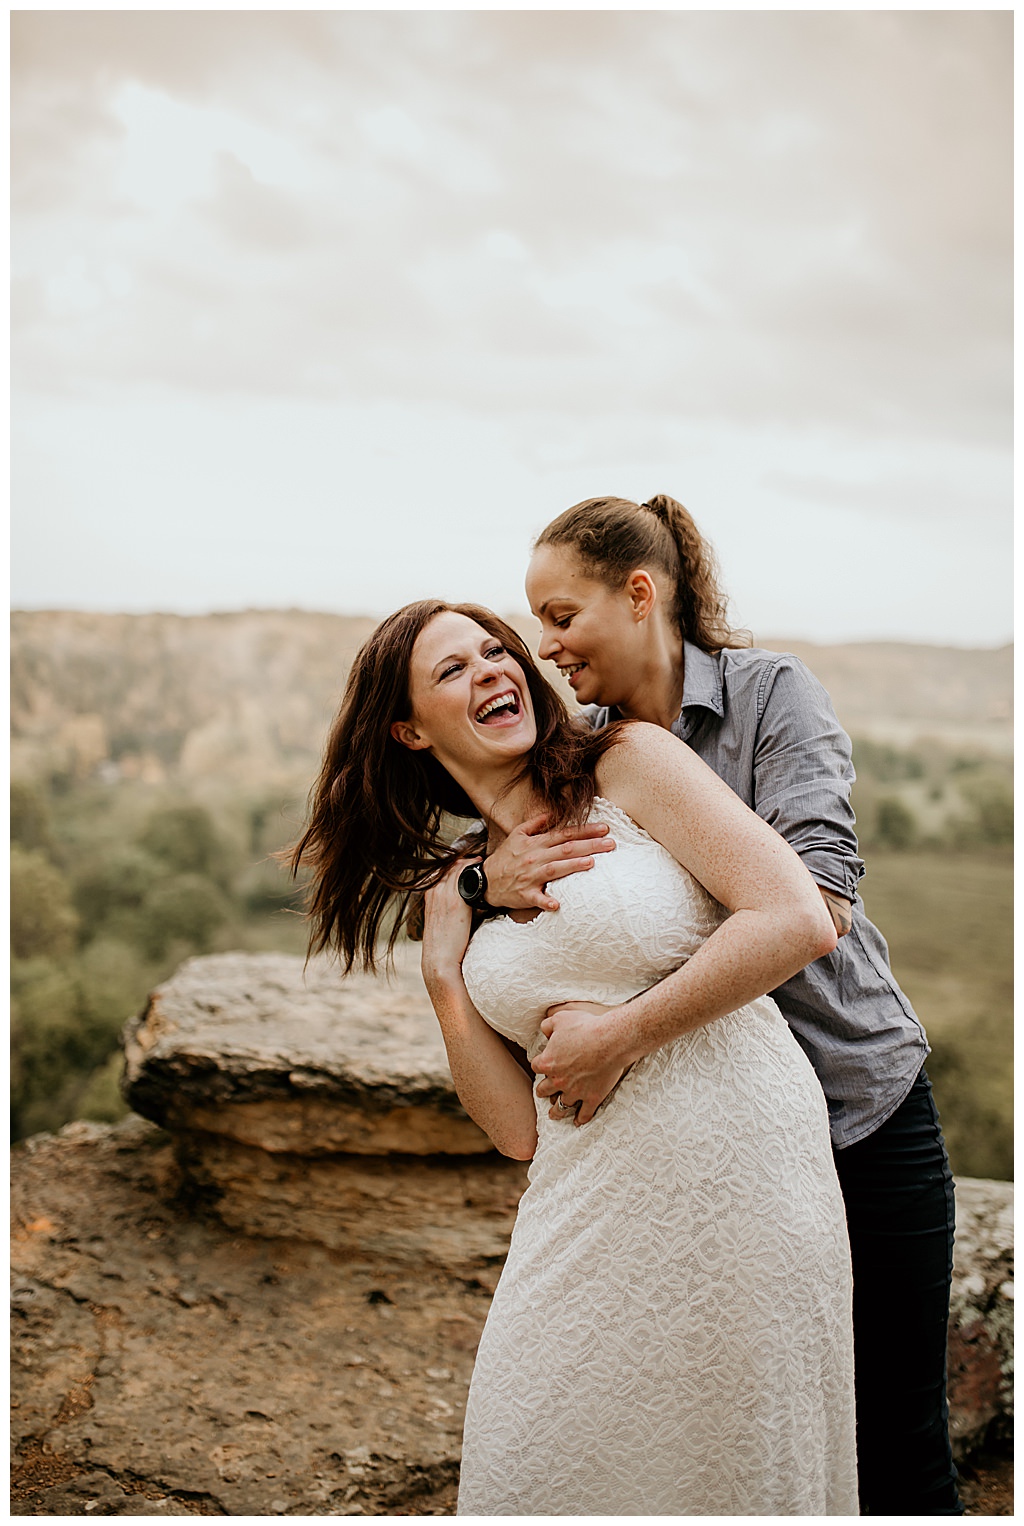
671,1334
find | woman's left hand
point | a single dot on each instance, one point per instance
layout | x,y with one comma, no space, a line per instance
447,924
581,1061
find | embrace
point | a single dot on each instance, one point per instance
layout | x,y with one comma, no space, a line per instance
728,1284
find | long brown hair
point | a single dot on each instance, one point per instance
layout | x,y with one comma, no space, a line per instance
613,537
373,835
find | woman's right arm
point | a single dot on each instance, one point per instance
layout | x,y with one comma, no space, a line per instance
493,1088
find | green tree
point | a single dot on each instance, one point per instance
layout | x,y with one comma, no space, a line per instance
184,837
67,1017
991,819
112,983
888,764
895,824
100,1099
41,1036
186,908
43,920
113,884
47,1045
31,826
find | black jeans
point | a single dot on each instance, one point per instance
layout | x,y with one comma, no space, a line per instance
899,1210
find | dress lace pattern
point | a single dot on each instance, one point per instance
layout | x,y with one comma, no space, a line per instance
672,1333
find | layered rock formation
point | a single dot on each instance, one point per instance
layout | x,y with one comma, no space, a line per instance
306,1105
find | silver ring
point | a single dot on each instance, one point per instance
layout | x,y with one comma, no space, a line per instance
565,1107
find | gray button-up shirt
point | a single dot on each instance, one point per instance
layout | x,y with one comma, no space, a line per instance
766,726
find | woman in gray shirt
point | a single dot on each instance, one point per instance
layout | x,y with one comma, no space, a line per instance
631,613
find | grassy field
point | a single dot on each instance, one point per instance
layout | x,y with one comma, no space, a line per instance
948,922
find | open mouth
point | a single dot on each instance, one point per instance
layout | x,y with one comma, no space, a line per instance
571,669
502,707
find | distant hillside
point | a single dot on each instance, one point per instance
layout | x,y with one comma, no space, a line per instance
153,696
248,696
896,690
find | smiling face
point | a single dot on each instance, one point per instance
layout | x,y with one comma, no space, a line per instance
469,700
595,635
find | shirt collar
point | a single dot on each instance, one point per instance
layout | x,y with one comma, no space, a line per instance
702,680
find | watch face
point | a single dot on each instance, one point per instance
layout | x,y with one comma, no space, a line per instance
472,884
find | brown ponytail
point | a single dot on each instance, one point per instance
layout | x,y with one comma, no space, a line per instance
613,537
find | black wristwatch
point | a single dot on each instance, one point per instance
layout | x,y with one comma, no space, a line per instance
473,889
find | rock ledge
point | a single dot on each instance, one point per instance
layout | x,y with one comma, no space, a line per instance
293,1057
302,1103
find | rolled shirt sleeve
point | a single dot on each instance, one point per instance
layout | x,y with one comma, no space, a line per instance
803,774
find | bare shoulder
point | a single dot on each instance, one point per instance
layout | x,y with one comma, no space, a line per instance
645,758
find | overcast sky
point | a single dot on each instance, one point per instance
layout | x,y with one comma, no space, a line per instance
336,309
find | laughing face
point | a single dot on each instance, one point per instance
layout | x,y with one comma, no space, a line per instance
470,704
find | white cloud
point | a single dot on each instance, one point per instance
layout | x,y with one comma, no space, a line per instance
502,245
171,149
759,255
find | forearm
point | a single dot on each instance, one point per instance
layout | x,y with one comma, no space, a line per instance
748,955
840,909
495,1091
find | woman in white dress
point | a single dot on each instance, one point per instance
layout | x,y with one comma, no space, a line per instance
671,1334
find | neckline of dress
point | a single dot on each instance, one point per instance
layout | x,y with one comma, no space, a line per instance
603,800
626,817
541,914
